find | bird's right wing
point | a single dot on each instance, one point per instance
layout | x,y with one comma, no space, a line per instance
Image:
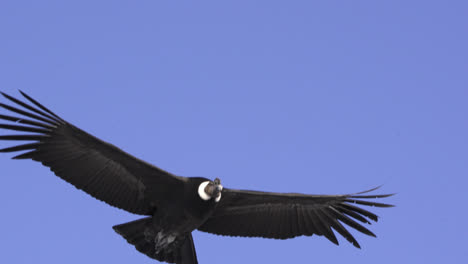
287,215
90,164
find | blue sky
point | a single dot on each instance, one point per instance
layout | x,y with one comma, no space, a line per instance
293,96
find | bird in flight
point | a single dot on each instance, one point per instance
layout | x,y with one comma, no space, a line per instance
174,206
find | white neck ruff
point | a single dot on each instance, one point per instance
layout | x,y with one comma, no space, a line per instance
201,191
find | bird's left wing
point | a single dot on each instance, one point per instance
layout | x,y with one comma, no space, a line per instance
287,215
90,164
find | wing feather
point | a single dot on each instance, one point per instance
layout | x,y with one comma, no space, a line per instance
287,215
90,164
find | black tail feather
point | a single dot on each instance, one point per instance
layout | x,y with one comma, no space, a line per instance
188,255
142,234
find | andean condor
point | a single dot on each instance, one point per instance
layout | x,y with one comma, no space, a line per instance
174,206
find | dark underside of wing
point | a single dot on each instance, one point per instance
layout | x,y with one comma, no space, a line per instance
282,216
90,164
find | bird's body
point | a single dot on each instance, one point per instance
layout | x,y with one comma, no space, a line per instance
174,206
170,226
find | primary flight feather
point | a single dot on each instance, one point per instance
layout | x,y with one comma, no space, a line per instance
174,206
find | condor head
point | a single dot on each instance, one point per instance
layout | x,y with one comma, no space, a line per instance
208,190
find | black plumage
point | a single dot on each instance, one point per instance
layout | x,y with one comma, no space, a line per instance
174,205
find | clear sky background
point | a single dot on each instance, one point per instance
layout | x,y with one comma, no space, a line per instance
323,97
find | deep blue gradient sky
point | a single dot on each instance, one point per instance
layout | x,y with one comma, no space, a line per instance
288,96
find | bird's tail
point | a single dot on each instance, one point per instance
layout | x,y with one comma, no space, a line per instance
144,233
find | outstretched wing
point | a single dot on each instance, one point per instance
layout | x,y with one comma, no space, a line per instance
282,216
90,164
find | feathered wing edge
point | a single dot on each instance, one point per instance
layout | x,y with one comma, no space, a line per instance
282,216
43,124
90,164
